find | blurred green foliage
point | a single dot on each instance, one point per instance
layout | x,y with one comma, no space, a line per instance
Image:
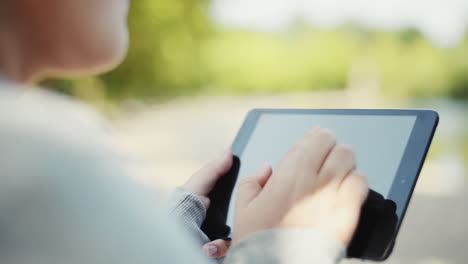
164,59
464,148
176,49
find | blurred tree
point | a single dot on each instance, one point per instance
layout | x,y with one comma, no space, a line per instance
242,61
459,65
410,35
164,49
465,148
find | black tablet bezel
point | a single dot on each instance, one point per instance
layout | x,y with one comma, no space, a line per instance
411,162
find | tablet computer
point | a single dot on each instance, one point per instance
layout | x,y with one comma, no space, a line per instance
390,148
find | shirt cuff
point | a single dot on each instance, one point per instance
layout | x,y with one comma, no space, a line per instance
291,246
187,207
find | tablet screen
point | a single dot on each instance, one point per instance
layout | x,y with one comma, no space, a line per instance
379,142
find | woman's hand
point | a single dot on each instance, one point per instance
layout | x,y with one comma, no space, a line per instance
201,184
314,186
203,181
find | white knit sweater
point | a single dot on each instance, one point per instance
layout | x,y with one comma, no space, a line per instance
65,197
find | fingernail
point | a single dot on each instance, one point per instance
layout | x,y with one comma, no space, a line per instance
210,250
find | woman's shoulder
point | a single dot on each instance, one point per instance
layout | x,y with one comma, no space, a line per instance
42,127
36,110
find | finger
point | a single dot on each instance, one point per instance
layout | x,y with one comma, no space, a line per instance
217,167
251,186
217,248
316,146
354,188
307,156
203,181
312,149
339,163
264,174
352,193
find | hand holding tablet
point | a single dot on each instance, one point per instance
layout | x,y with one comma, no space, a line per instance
389,145
314,186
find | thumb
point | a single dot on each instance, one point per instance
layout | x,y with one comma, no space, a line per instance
203,181
217,248
251,186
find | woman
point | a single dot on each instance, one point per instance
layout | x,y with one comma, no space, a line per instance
65,196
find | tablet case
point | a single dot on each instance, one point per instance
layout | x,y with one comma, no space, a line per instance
374,235
214,225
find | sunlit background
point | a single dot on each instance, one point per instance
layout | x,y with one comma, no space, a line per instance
195,68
